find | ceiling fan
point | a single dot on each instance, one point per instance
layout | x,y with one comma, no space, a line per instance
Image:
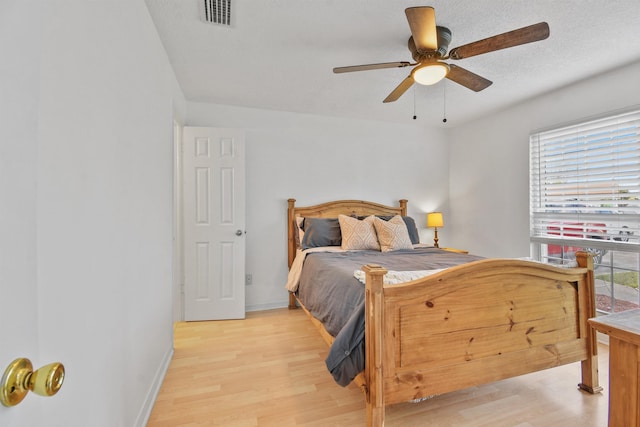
428,45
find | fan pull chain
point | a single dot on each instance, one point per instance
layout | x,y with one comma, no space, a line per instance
444,103
414,103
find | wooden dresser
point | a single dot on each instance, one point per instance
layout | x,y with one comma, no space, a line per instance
624,359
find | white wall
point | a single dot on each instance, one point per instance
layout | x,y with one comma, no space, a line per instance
90,171
317,159
489,160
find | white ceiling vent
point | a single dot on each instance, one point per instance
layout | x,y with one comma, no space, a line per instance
216,11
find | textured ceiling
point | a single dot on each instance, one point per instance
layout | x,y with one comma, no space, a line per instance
279,54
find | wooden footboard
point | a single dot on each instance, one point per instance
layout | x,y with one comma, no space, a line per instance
474,324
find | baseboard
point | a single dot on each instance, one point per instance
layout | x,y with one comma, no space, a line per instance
152,395
268,306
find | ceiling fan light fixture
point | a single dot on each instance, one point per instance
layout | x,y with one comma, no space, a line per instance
430,73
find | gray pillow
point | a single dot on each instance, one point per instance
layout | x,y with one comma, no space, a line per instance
413,230
321,232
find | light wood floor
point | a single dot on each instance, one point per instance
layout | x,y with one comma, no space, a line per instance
268,370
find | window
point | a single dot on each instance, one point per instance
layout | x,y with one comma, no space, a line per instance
585,194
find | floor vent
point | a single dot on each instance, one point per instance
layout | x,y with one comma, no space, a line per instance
216,11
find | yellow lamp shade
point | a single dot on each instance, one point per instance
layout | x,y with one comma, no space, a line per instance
434,219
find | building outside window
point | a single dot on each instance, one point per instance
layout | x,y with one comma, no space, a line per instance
585,195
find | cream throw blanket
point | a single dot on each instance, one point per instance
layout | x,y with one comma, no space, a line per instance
394,277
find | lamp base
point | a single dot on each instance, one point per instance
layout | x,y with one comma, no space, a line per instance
435,238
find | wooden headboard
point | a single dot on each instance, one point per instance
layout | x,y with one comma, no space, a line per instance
332,210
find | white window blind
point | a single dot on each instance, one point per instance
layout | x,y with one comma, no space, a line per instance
585,183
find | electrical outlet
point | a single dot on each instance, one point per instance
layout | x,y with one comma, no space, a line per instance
248,279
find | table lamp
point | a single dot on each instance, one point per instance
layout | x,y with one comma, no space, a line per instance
434,220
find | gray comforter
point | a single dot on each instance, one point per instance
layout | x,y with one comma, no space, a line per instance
329,290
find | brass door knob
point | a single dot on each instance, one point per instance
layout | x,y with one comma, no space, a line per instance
19,378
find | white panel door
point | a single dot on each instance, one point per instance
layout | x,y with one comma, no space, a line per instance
19,176
214,223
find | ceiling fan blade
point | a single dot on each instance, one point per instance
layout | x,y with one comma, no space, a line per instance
399,90
366,67
422,21
467,79
532,33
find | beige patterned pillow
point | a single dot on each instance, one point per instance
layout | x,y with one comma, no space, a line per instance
358,234
393,234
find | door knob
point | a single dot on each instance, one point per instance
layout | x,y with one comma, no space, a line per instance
19,378
238,232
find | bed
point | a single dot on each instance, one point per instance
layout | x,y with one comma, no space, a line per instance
474,322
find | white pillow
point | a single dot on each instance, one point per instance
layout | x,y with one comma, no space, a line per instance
393,235
358,234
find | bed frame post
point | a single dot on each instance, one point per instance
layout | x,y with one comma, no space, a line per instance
587,294
374,365
403,206
291,231
291,244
